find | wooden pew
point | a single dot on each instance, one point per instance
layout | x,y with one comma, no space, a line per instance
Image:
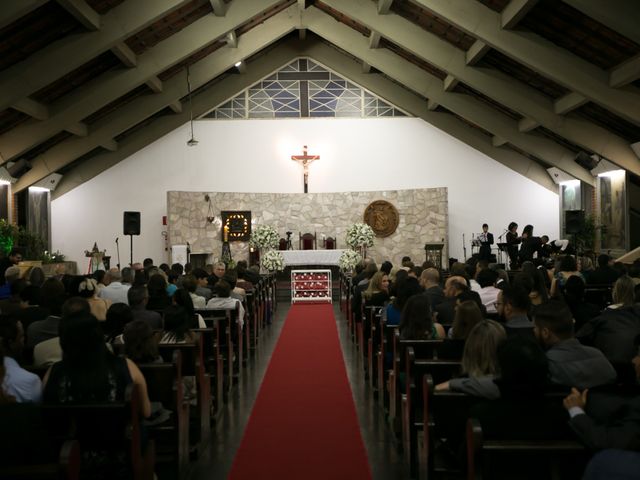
165,385
230,338
444,416
536,452
412,402
424,348
28,451
193,365
214,363
372,336
111,427
385,347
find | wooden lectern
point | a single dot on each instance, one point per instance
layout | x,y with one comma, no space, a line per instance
433,253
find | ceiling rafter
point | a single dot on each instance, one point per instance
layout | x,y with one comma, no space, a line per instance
63,56
86,100
12,11
512,94
431,87
82,12
538,54
623,16
334,59
173,89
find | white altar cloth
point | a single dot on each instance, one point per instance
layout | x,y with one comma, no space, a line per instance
311,257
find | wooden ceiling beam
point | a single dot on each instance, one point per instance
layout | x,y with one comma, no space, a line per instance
476,52
82,12
219,7
13,10
384,6
65,55
125,54
514,95
202,102
622,16
155,84
430,86
87,99
625,73
515,11
37,110
174,89
568,102
538,54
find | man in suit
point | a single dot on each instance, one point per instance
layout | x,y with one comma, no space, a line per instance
486,240
570,363
512,305
138,296
620,430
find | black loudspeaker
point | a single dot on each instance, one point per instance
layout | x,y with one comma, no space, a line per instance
131,223
19,168
573,221
584,160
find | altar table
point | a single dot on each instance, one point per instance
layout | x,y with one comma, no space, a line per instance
311,257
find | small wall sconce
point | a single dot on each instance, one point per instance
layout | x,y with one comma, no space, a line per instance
210,217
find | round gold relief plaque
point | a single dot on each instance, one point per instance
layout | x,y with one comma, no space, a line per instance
382,217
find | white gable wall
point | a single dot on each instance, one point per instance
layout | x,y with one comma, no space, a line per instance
254,156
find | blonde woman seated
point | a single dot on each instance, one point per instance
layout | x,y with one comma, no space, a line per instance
377,293
88,289
479,362
416,321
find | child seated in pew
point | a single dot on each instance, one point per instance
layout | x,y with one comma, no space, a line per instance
416,321
177,326
118,316
222,299
176,330
479,361
182,298
141,343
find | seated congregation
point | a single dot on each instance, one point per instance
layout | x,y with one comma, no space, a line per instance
120,374
486,373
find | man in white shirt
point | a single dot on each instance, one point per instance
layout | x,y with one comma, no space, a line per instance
223,300
488,292
116,291
24,386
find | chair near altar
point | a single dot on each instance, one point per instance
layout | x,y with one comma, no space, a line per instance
307,241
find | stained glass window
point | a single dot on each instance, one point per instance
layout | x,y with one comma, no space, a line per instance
303,89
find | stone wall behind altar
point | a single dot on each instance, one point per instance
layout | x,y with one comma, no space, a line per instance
423,219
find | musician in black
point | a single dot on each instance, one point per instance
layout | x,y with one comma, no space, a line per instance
530,245
513,240
486,240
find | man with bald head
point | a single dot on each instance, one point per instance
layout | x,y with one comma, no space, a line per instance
116,291
430,281
454,286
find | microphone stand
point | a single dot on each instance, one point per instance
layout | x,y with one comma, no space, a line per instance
503,234
118,250
464,247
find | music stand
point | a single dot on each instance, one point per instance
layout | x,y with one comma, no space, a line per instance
433,252
503,248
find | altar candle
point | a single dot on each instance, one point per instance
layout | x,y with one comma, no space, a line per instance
226,233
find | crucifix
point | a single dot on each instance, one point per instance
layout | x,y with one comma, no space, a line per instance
305,160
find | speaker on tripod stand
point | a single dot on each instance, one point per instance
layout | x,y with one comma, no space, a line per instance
131,227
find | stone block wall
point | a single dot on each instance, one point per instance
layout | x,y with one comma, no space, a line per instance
423,219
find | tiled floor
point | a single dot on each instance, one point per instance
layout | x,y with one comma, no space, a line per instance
385,462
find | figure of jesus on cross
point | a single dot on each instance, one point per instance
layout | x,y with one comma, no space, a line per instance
305,160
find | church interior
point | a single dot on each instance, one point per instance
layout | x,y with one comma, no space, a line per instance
353,238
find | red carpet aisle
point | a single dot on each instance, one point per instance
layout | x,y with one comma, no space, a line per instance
304,425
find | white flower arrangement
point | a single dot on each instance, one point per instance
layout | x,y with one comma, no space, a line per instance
360,235
273,261
264,236
349,259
